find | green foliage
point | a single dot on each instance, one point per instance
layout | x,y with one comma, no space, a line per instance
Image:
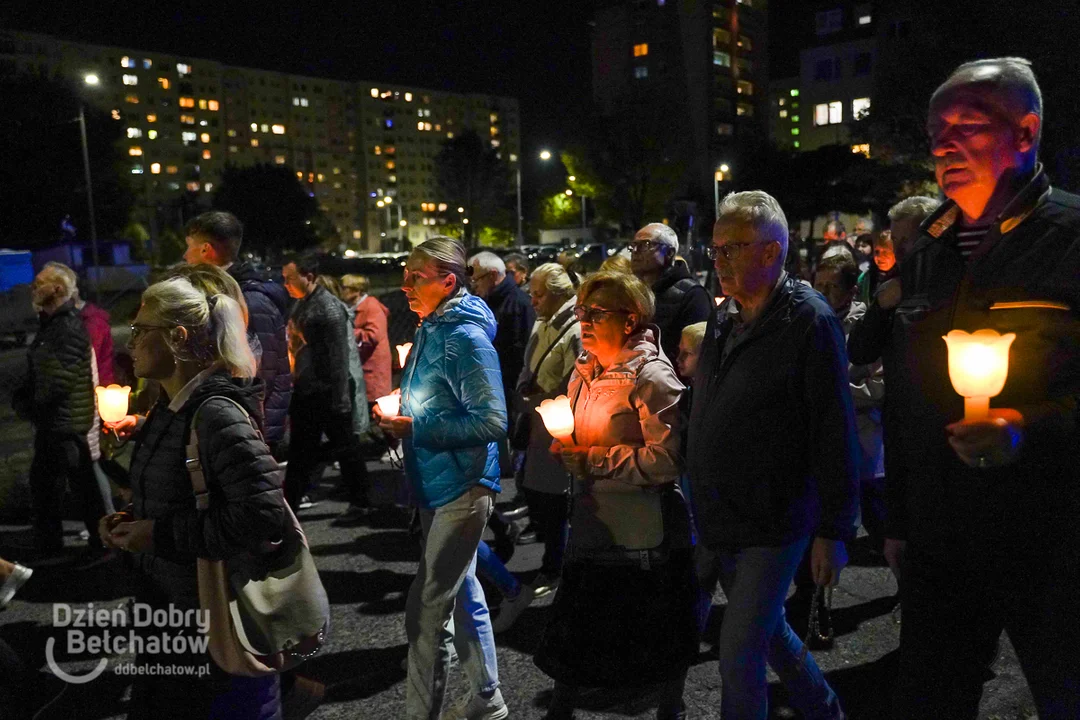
140,239
277,211
44,179
170,247
488,236
560,209
470,174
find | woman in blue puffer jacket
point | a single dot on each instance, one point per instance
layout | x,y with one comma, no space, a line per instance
453,413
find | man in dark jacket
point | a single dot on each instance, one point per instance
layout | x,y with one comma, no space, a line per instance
772,455
57,396
680,301
328,391
988,508
215,238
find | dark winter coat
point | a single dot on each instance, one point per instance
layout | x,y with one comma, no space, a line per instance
268,303
324,323
773,451
57,395
246,503
514,316
1025,279
680,301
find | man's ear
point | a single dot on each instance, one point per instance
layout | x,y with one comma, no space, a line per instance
180,334
631,322
1027,132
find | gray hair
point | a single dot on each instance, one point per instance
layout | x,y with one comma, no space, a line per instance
1013,89
487,260
215,324
662,233
555,279
917,207
759,210
695,333
63,276
447,255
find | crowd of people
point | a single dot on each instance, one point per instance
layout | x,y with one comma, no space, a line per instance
740,442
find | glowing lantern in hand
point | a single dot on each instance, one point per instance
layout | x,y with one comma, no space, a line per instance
403,353
390,405
113,402
978,366
558,418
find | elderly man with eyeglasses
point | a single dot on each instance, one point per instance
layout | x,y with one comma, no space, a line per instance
772,456
680,300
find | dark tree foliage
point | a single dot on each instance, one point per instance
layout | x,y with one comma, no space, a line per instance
470,175
41,153
277,211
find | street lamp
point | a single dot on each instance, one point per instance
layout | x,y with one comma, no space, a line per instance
91,80
545,154
719,176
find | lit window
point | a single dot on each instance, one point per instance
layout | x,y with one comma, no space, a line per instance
794,131
442,207
136,170
836,112
264,128
187,102
392,178
374,92
420,125
781,102
115,114
641,49
794,118
152,134
861,149
279,159
131,79
378,150
389,123
427,112
744,109
254,127
427,126
744,43
155,168
794,92
254,142
796,144
147,63
187,119
860,106
127,62
438,127
205,154
193,186
171,170
303,102
337,171
188,137
133,132
641,72
163,82
721,59
233,149
202,104
321,177
135,151
449,136
495,143
821,114
299,175
231,133
865,19
279,129
183,68
296,102
390,164
745,88
783,113
208,186
408,97
151,118
205,137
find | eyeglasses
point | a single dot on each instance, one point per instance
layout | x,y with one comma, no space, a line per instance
730,251
138,331
594,315
645,246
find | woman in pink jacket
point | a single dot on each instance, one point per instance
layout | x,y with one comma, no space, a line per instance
369,327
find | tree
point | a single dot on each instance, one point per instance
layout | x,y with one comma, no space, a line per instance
277,211
470,175
44,179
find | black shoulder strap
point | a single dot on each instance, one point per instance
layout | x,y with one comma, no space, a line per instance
194,462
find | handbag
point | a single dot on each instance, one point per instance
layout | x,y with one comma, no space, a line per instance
268,611
523,417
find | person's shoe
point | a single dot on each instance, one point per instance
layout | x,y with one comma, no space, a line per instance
18,577
527,538
516,513
306,502
671,712
306,695
476,707
510,609
545,585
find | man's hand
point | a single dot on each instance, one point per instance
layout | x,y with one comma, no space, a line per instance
399,426
137,536
894,555
888,294
992,442
125,427
827,559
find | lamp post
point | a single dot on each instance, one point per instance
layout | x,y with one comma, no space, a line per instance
91,80
718,177
521,232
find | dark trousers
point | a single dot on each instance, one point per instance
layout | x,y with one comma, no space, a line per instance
548,512
60,462
310,419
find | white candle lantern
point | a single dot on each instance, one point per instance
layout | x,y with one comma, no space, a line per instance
390,405
403,353
113,402
558,418
978,367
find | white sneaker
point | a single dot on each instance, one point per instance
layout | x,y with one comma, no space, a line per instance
511,608
474,707
18,577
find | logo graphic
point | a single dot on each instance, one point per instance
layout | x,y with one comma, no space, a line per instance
50,659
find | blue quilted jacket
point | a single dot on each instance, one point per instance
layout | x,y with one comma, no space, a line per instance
452,389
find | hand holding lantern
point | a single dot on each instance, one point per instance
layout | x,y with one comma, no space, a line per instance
558,418
113,402
978,367
389,405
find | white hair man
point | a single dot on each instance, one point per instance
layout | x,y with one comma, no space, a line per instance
57,396
680,300
983,509
772,454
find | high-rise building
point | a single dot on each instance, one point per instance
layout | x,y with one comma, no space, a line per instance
704,63
785,108
361,148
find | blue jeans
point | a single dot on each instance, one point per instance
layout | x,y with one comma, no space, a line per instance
491,567
445,588
754,631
